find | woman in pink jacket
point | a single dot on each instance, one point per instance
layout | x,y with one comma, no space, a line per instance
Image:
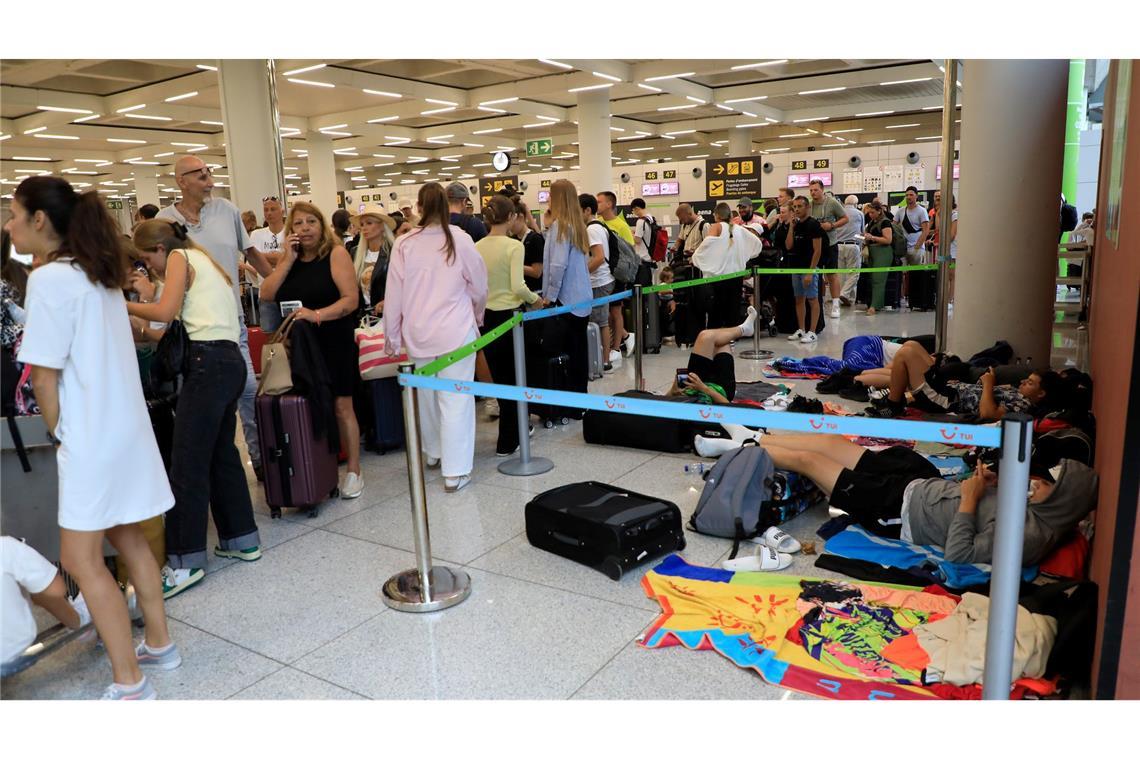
436,292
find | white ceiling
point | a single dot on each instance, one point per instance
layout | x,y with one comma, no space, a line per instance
127,116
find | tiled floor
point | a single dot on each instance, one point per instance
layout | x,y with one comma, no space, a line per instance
307,621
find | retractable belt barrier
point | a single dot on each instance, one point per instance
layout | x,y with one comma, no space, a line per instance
970,435
481,342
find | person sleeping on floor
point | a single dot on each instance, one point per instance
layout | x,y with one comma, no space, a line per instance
897,493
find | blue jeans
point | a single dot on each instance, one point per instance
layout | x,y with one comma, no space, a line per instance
206,471
799,290
248,397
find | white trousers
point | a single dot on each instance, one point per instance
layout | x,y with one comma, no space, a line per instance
849,258
447,420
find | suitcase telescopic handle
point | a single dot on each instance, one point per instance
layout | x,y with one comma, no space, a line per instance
563,538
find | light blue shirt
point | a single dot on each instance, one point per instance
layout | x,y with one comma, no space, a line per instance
565,277
854,226
219,232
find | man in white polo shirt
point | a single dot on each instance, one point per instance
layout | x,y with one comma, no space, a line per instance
270,240
215,224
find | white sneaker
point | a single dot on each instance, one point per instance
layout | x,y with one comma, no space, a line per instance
796,335
451,485
430,462
627,344
491,407
353,486
835,310
808,337
615,359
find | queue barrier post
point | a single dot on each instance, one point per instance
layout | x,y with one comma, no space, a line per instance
756,353
639,337
524,465
1009,536
423,588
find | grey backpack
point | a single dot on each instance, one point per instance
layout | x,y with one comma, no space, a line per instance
739,483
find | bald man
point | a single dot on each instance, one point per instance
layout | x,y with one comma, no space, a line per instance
215,224
850,242
692,231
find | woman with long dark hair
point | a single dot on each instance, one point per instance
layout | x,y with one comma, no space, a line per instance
436,293
205,470
317,270
78,341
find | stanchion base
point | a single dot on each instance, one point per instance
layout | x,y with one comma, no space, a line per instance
756,354
536,466
448,588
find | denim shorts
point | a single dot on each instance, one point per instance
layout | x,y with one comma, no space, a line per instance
800,291
600,315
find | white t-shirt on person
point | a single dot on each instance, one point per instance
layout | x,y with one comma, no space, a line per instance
916,217
24,572
890,348
640,235
110,471
266,241
599,235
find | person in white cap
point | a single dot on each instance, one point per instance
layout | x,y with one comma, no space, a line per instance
408,209
370,257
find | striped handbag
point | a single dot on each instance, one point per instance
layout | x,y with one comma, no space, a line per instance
374,363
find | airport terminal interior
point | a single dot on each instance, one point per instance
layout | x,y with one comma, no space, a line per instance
769,557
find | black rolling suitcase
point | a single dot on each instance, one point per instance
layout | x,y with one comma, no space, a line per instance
603,526
648,433
554,375
923,290
651,321
692,311
387,414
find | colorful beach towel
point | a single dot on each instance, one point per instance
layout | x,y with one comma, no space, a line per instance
823,638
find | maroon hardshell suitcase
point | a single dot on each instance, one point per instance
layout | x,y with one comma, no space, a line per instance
300,471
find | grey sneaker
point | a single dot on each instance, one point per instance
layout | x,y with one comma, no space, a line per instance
158,659
117,691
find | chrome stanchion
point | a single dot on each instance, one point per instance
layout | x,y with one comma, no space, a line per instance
756,353
524,465
423,588
1009,535
946,212
639,337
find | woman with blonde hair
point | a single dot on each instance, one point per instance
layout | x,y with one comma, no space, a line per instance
370,258
316,269
436,294
205,472
566,278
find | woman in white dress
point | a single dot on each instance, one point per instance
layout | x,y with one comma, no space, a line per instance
78,341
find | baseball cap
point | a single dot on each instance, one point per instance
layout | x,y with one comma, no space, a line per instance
457,191
744,202
405,203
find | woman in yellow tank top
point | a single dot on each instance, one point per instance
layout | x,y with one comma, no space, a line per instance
206,471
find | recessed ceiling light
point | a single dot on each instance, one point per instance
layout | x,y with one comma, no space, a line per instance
212,123
797,134
46,136
126,140
473,145
724,107
775,150
931,137
591,87
164,155
636,150
433,111
147,117
751,124
61,109
489,109
537,124
204,67
759,64
30,158
551,119
602,75
771,120
183,96
487,131
696,100
333,126
901,126
933,108
699,155
500,100
304,69
681,132
651,88
670,76
905,81
813,118
817,92
34,130
842,131
677,108
559,64
874,113
311,83
86,118
383,119
131,108
334,133
876,142
441,102
384,93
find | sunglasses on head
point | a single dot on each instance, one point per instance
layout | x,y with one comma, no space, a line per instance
270,198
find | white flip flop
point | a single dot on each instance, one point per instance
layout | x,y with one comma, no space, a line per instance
765,558
778,540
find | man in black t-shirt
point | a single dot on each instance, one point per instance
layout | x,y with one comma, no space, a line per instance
804,242
457,197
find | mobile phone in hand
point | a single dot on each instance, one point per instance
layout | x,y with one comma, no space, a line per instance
682,377
288,307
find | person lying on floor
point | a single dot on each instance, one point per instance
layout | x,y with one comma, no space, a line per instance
897,493
861,354
712,371
916,370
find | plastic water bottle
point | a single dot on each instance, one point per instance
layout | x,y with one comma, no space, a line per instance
697,468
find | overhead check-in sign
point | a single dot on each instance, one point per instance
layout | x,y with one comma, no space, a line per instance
488,186
732,177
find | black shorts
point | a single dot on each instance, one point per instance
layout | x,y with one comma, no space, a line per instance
829,256
872,493
721,369
935,395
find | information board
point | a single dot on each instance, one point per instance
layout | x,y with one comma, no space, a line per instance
732,178
488,186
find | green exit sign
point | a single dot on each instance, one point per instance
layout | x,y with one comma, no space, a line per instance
543,147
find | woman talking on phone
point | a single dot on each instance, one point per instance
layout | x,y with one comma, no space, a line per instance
317,271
